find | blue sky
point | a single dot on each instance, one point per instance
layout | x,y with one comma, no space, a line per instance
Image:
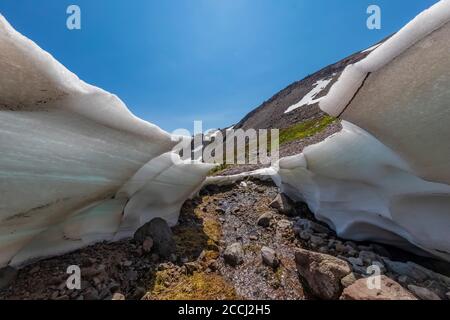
176,61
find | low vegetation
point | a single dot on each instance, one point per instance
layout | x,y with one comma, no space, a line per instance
305,129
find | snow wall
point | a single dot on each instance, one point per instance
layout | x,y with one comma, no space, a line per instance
76,167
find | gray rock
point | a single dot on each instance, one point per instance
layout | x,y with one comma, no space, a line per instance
305,224
317,241
305,235
423,293
234,254
264,219
448,295
437,287
323,273
7,277
368,256
406,269
160,232
355,261
284,205
269,257
431,274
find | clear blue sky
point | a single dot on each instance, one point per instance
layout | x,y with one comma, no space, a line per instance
176,61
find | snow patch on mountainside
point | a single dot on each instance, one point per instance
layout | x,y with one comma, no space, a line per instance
309,98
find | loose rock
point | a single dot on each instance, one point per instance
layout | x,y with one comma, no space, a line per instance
118,296
264,219
269,257
323,273
407,269
423,293
234,254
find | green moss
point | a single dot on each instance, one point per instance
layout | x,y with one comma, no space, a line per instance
305,129
199,286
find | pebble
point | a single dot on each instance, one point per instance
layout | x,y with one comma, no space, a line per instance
264,219
127,263
118,296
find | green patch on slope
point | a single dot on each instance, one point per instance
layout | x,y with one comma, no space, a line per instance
305,129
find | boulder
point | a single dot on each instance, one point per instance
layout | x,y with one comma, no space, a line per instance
323,273
161,234
389,290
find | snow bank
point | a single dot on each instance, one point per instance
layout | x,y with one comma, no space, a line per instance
365,191
66,148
